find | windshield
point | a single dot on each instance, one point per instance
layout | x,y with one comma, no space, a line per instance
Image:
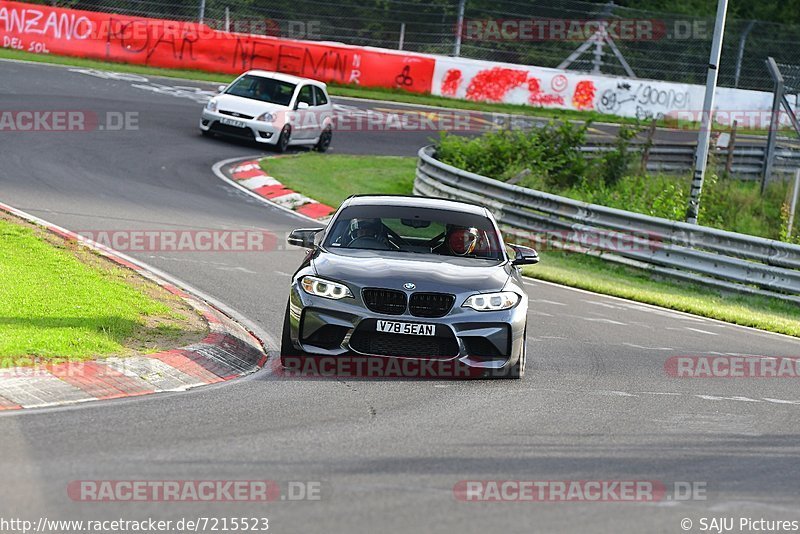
416,231
263,89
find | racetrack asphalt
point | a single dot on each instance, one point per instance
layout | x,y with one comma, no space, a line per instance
596,404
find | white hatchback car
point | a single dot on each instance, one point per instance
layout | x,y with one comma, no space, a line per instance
273,109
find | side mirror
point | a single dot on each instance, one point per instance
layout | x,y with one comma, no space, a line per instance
524,255
221,88
301,105
303,237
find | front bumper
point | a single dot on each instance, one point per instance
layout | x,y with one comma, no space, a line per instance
484,340
261,132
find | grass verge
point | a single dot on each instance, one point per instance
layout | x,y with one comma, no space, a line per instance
62,302
352,91
332,178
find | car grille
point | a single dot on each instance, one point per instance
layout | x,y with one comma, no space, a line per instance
430,304
367,341
237,115
386,301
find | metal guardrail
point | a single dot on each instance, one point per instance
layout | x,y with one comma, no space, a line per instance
748,160
726,260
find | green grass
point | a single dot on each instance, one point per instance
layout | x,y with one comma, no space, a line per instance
59,302
352,91
332,178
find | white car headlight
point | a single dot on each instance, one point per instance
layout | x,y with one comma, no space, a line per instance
266,117
212,105
493,301
325,288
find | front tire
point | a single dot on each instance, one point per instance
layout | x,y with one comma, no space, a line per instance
283,140
288,351
324,141
517,370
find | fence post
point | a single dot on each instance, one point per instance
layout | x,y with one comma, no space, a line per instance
731,147
202,15
402,35
740,56
774,122
227,19
459,28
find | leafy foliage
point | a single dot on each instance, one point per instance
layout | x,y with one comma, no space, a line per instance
557,166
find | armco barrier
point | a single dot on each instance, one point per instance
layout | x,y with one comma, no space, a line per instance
185,45
747,164
699,254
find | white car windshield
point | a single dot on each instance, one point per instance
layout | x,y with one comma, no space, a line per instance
263,89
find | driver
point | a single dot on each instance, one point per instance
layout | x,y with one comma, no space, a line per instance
462,241
262,91
368,229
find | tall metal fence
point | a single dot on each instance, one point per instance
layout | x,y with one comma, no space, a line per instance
677,51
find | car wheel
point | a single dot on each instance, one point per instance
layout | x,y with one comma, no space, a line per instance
283,140
288,351
324,140
517,370
205,133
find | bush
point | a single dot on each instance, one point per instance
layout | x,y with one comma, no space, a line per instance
552,154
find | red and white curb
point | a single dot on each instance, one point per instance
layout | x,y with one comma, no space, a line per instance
229,351
249,175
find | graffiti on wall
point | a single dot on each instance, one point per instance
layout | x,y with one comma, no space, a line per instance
188,45
499,84
643,100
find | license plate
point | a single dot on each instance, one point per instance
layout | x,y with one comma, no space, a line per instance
231,122
411,329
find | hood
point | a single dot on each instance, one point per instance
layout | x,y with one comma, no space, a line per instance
246,106
363,268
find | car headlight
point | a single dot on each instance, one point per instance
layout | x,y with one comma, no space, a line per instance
325,288
212,105
266,117
493,301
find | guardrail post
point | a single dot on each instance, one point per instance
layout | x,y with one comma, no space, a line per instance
793,206
648,143
731,147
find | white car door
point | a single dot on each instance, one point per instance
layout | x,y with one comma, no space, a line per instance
323,110
303,125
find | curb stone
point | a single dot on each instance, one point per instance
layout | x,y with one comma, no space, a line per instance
228,351
250,175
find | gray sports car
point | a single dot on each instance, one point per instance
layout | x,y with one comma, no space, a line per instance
409,279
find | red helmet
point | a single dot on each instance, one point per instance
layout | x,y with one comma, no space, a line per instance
462,241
